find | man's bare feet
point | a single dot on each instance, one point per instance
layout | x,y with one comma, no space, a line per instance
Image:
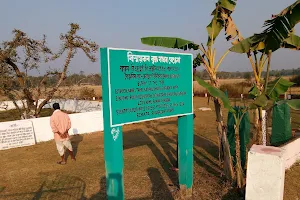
174,169
61,162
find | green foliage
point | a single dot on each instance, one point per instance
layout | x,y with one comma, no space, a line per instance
292,42
215,92
247,76
253,93
255,43
11,115
260,101
273,91
293,103
221,19
296,80
277,87
279,33
197,61
234,90
170,42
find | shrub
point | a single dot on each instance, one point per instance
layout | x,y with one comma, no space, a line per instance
296,80
235,90
87,93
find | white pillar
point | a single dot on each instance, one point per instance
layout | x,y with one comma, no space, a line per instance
264,127
265,173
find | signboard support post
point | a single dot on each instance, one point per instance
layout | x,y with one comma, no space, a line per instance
113,143
185,146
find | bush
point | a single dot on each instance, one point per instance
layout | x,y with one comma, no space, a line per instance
235,90
87,93
296,80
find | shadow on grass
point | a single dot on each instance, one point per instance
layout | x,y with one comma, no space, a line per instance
138,137
75,140
208,146
159,188
54,187
234,194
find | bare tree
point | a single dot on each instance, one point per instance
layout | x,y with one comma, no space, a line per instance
22,54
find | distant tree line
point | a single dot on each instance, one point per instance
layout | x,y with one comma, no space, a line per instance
247,75
71,80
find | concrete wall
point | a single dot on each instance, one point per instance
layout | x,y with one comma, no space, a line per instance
81,123
291,152
73,105
79,106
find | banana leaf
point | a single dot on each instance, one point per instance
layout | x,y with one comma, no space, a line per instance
197,60
222,19
293,103
278,33
215,92
277,87
260,101
170,42
292,42
253,92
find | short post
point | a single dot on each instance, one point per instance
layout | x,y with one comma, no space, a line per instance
185,145
265,173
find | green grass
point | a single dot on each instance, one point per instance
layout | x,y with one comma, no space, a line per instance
11,115
149,151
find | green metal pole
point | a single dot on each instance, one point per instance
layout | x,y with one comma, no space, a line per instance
113,140
185,145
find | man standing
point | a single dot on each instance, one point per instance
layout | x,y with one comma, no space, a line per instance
60,124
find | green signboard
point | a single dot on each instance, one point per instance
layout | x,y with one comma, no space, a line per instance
139,86
146,85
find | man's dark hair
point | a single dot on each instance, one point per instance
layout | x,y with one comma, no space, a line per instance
56,106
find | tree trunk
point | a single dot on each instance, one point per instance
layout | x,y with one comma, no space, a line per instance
255,121
259,128
240,179
224,148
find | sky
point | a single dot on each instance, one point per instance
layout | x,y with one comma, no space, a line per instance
121,24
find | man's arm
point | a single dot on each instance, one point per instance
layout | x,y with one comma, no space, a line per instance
69,122
53,125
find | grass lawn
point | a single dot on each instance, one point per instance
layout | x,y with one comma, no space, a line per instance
149,151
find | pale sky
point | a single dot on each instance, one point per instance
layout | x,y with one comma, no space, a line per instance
120,23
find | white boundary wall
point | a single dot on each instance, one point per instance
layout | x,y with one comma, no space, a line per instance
81,123
88,119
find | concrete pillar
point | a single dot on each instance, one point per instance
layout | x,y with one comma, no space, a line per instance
264,127
265,173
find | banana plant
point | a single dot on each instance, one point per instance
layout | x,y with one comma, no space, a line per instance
239,175
207,58
279,33
274,90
